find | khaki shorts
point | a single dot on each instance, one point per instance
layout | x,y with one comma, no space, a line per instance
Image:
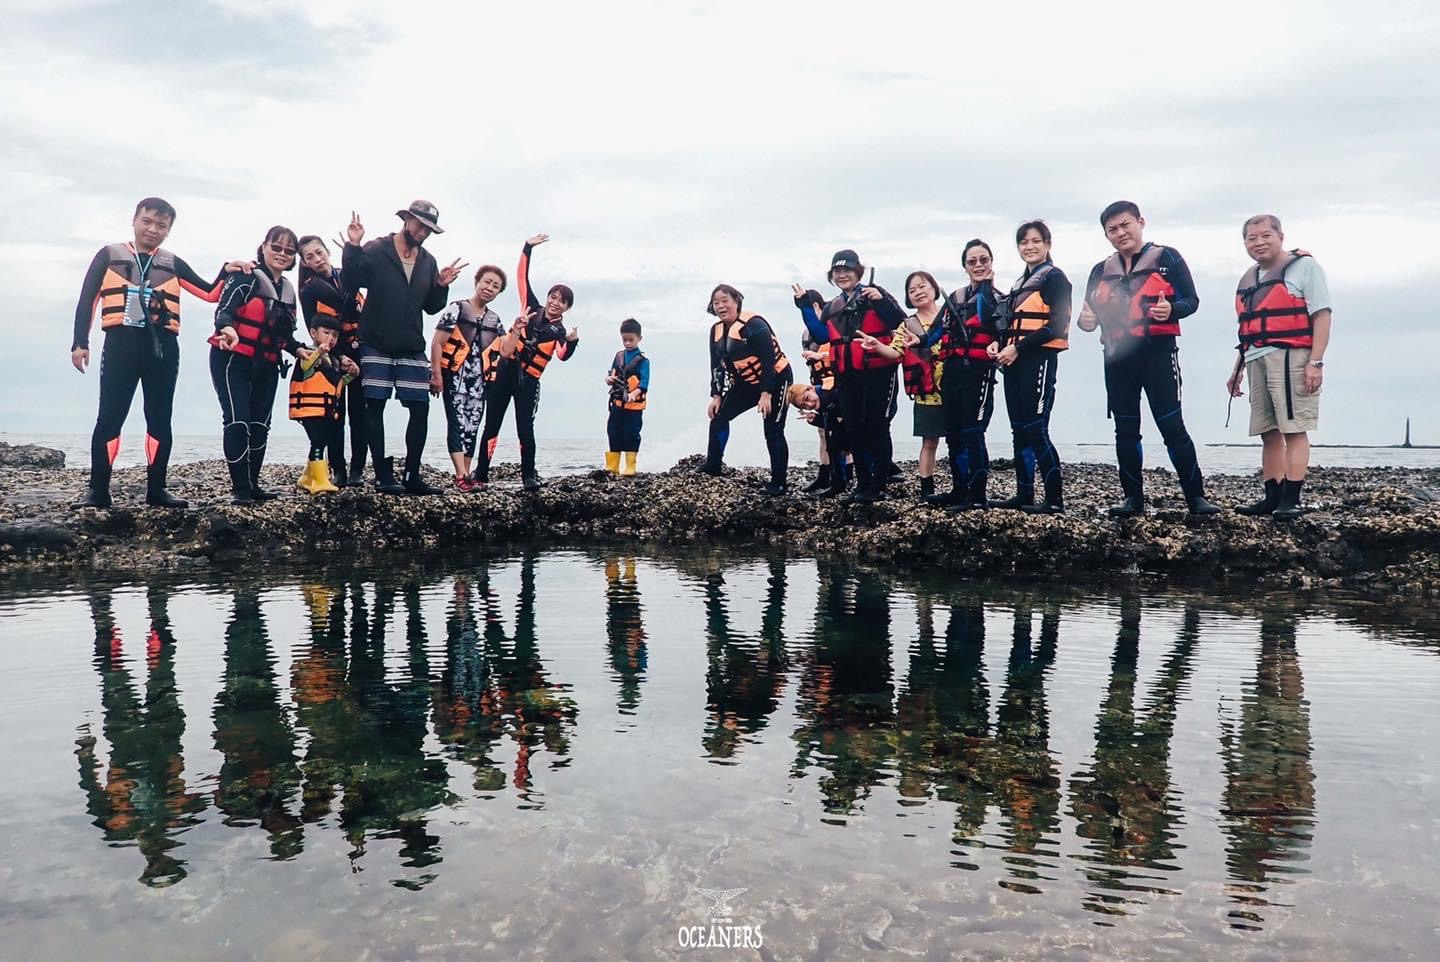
1266,376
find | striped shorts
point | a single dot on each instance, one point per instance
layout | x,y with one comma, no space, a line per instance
407,374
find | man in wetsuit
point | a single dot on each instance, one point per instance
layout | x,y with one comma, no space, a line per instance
1137,296
136,286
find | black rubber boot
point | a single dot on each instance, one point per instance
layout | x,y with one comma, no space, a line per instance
1201,505
1057,507
155,494
839,481
1289,507
1128,507
385,482
775,489
960,507
415,484
530,481
94,497
1267,504
1018,502
356,477
947,499
241,492
821,482
927,488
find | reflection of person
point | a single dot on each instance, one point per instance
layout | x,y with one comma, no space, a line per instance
1124,803
846,691
1269,800
142,796
464,700
1283,303
259,779
324,707
625,630
743,676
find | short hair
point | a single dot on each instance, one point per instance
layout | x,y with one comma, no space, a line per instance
566,294
630,326
1037,225
274,234
484,269
934,285
158,205
975,242
796,392
734,294
1259,219
1118,208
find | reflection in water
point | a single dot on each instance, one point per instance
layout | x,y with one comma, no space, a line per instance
143,797
625,629
1269,803
1125,803
744,677
373,679
846,693
260,774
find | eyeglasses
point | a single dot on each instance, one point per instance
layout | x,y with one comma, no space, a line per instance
282,251
977,262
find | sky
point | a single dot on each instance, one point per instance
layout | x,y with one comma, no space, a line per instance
669,147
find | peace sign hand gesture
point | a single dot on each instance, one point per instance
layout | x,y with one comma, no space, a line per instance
355,233
448,274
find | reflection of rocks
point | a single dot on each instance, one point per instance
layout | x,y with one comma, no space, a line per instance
1372,529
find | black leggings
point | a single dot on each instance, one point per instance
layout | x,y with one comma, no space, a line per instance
510,384
740,398
623,429
1151,365
245,387
416,430
867,401
135,357
1029,399
326,435
353,405
967,390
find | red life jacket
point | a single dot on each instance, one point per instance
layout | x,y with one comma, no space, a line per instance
258,319
1269,314
1028,310
969,325
1122,301
847,318
627,379
917,364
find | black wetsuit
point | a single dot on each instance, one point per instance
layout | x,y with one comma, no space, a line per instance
738,395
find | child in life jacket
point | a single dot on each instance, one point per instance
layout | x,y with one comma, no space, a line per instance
315,401
629,383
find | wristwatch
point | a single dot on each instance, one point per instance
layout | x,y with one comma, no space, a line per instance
1319,364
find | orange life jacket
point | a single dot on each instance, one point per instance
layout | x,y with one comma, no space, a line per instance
257,320
457,348
535,355
627,379
159,301
1029,312
1269,314
737,351
1122,301
315,393
822,372
970,324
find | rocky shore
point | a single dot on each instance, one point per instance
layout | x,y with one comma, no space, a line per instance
1372,530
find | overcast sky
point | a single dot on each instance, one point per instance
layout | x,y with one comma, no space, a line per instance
668,147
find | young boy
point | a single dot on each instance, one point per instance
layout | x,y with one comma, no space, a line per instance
629,381
315,390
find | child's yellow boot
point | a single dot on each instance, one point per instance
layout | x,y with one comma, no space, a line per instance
629,470
316,479
612,462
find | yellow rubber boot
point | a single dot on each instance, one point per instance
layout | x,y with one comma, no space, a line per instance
316,479
612,462
629,470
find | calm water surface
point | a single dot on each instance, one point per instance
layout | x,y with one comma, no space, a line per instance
544,755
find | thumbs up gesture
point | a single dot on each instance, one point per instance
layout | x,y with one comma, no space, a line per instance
1161,310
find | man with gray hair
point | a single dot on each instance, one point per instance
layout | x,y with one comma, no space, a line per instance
1283,304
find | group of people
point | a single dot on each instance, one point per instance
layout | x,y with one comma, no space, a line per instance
365,321
861,346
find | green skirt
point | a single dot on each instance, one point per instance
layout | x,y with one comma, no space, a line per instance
930,421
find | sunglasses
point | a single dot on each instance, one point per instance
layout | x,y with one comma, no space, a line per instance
977,262
282,251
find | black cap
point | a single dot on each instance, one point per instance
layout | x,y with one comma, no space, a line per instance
846,259
425,212
325,320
